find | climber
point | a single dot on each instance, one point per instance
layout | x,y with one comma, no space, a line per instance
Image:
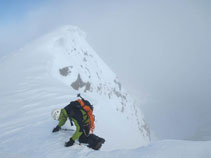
80,113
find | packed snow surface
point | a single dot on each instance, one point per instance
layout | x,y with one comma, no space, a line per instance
47,74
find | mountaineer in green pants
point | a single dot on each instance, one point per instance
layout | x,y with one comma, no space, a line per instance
79,113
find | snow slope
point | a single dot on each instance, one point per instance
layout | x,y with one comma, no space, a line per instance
48,73
162,149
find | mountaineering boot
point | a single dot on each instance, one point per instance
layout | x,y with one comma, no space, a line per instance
95,142
99,144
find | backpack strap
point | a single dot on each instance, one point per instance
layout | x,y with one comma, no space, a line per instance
81,102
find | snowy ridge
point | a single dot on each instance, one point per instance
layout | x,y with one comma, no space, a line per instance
47,74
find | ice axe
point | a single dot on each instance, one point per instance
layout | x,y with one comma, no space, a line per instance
79,95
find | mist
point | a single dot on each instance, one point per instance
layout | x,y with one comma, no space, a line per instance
159,49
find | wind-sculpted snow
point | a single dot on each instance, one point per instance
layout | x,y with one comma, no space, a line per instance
47,74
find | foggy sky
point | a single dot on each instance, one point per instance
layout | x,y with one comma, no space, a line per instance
160,51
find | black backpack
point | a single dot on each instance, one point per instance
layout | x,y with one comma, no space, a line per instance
73,110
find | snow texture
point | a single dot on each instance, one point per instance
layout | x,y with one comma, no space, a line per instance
47,74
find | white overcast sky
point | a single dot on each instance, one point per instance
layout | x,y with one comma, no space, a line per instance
159,49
